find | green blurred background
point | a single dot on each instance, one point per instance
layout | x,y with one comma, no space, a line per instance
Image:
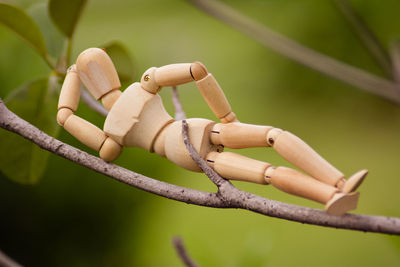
75,217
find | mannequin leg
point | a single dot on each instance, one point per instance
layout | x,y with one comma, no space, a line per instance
289,146
237,167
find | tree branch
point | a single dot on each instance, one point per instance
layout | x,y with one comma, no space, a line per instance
182,253
179,112
214,177
299,53
234,198
367,38
6,261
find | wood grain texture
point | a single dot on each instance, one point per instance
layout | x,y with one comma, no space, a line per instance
136,118
62,115
70,91
110,98
198,70
214,96
148,81
240,135
231,117
342,203
297,152
237,167
85,132
299,184
173,74
175,149
110,150
97,72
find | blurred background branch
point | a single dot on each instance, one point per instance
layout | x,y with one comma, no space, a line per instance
182,252
366,36
308,57
92,103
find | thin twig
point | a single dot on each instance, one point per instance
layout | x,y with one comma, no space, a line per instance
235,198
6,261
366,36
179,112
182,252
299,53
93,104
214,177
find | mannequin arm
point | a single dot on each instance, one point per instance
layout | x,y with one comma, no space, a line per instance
175,74
81,129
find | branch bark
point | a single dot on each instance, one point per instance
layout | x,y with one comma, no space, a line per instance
226,197
179,112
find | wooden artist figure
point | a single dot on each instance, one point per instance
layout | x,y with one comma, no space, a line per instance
137,118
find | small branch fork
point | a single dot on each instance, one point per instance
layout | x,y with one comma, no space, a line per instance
227,196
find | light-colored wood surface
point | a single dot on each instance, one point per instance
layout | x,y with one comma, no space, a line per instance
297,152
231,117
198,70
110,98
159,143
342,203
151,122
97,72
125,112
173,74
199,134
299,184
85,132
240,135
214,96
148,81
62,115
237,167
110,150
136,118
354,181
70,90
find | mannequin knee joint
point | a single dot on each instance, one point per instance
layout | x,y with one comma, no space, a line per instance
272,135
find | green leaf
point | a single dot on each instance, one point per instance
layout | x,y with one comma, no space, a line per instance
122,60
21,160
65,14
53,38
17,20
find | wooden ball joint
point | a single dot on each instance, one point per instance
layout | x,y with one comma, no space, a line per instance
137,118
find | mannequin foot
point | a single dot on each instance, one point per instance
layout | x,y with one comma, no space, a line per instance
351,184
341,203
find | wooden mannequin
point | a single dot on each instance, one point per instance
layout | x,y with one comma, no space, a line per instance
137,118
